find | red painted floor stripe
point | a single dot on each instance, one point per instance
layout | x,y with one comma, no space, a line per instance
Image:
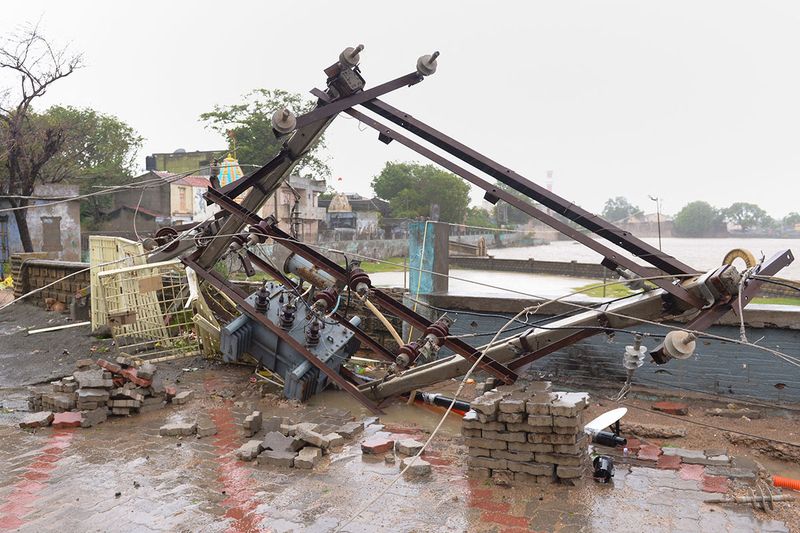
21,501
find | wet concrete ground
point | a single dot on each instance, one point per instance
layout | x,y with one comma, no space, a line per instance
122,476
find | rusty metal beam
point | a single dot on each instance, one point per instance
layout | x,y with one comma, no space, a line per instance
222,285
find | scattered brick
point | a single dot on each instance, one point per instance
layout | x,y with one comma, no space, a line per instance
408,446
37,420
376,445
416,467
669,462
308,457
648,452
67,420
177,429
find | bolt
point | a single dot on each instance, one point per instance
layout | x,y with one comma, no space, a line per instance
689,338
434,56
286,114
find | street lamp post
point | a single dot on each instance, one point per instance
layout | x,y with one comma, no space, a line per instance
658,217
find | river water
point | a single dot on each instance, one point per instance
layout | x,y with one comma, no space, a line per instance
702,254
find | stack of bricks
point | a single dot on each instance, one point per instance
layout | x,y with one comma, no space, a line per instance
32,272
526,434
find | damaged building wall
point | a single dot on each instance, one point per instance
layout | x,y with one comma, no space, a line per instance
54,228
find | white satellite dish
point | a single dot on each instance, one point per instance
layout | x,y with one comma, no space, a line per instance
605,420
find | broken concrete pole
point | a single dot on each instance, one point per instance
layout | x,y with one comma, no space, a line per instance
376,445
408,447
249,450
67,420
177,429
416,467
273,458
37,420
308,457
183,397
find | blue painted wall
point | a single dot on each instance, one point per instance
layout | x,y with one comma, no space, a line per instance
420,282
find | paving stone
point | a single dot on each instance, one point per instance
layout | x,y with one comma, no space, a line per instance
291,429
67,420
308,457
648,452
570,472
408,446
375,445
313,438
205,427
277,458
715,484
249,450
511,405
417,467
183,397
278,442
671,462
177,429
94,417
672,408
146,371
351,430
334,440
37,420
523,478
121,411
92,379
717,460
511,418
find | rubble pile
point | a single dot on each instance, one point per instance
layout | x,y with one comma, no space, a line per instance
292,445
98,389
527,435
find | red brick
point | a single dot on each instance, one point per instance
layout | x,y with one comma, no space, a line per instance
633,445
499,507
67,420
691,472
669,462
108,365
170,391
672,408
130,375
715,484
648,452
377,445
504,519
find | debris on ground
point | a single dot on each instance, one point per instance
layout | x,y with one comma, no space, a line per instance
653,430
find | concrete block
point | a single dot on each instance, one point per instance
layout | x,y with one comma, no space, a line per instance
205,427
376,445
569,472
484,419
569,403
479,452
573,422
488,462
523,478
308,457
291,429
560,459
334,440
466,432
529,447
177,429
82,364
408,446
120,411
273,458
520,457
417,467
146,371
533,469
488,444
37,420
486,404
94,417
92,379
278,442
513,418
183,397
540,421
505,436
511,405
351,430
249,450
67,420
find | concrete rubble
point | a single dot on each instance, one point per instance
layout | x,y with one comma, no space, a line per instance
98,389
527,435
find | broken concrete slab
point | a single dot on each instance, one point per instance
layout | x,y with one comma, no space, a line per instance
415,467
686,455
37,420
94,417
178,429
183,397
351,430
278,442
205,427
249,450
653,430
408,446
291,429
308,457
277,458
672,408
312,437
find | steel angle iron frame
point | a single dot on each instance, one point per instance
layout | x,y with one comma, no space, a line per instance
679,289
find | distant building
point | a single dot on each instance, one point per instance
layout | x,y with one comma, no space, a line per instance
647,225
55,229
180,161
351,216
296,207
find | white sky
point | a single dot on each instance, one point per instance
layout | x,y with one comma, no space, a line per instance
683,100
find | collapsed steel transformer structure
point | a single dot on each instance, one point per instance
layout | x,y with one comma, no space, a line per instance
299,332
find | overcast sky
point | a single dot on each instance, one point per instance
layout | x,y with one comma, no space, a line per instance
682,100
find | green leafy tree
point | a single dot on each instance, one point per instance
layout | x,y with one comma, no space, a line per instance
619,208
791,220
478,216
248,125
507,214
100,149
698,219
28,141
411,189
745,215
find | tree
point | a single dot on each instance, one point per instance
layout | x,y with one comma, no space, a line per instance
480,217
616,209
791,220
698,219
98,148
508,214
745,215
411,189
28,141
248,126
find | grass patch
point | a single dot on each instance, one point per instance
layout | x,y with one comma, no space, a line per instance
776,301
617,290
371,267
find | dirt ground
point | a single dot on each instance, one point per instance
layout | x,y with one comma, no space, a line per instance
122,476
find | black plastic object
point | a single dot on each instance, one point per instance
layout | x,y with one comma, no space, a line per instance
606,438
603,468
